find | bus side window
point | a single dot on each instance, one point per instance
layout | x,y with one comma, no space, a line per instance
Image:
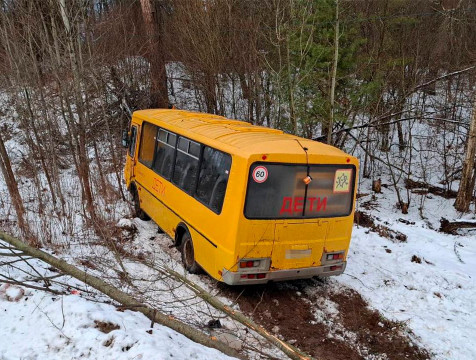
213,178
146,152
165,153
186,164
132,142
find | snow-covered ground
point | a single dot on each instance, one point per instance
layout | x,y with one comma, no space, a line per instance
435,298
38,325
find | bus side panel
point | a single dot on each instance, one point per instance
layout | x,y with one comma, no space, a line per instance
154,192
167,220
151,188
221,229
154,208
205,253
128,171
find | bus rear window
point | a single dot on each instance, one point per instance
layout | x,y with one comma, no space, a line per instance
279,191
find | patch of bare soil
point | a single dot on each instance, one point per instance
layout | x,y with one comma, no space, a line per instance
280,310
377,334
105,327
363,219
353,332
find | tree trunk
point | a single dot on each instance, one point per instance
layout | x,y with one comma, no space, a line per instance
401,137
12,187
79,129
334,76
39,144
154,23
466,186
210,91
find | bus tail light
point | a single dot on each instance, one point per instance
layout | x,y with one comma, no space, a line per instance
335,256
249,264
253,276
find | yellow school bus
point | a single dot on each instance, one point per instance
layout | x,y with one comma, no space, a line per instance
245,203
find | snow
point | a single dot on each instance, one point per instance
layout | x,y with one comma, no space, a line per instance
436,298
64,328
41,325
11,293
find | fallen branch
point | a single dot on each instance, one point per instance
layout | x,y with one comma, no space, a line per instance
421,188
450,227
458,72
12,254
121,297
288,349
377,122
22,283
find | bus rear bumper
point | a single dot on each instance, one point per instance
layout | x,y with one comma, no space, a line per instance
240,278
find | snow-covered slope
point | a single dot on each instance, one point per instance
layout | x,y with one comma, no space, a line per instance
427,282
41,325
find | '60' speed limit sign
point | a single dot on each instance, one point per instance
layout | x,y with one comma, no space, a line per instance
260,174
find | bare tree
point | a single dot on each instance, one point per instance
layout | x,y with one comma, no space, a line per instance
154,19
468,175
7,172
334,74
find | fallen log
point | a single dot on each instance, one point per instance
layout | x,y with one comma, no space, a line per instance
450,227
121,297
291,351
421,188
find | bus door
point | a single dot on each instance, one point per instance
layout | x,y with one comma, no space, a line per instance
131,152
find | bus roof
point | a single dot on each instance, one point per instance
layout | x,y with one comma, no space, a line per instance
248,138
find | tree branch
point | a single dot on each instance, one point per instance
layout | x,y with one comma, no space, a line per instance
121,297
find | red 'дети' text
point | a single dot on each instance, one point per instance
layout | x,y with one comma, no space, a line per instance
292,205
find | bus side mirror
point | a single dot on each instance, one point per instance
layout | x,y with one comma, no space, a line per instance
125,138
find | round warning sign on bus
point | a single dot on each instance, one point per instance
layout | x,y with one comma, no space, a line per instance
260,174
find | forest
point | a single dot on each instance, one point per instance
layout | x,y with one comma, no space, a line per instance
391,82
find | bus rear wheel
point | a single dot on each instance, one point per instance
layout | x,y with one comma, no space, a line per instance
188,255
138,212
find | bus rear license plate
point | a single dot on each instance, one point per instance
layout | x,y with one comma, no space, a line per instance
297,254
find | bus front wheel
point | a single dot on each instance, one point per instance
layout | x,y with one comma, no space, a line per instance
188,255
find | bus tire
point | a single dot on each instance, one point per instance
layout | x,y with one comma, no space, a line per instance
138,212
188,255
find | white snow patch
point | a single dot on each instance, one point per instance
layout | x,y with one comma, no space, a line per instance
435,298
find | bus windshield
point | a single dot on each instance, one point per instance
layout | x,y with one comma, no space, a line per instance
283,191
